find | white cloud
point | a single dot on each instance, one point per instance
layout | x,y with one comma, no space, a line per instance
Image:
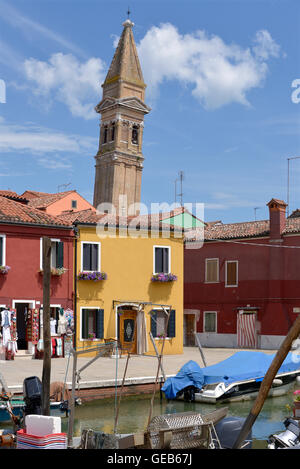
265,47
39,140
218,73
33,29
66,79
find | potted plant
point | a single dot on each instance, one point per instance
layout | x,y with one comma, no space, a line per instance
56,271
297,403
4,269
163,278
95,276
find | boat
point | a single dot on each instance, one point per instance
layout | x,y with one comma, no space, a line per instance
287,439
18,406
238,378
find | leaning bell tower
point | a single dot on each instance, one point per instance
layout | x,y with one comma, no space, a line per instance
119,160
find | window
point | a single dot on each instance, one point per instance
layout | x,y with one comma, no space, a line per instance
162,260
57,254
2,249
90,257
74,203
210,321
211,270
112,132
92,323
105,133
231,274
135,135
159,321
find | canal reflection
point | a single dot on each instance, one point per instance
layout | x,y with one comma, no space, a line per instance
134,413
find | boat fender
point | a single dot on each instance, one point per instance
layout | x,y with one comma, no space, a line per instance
7,440
277,382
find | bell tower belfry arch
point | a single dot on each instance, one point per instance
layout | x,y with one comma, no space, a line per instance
119,160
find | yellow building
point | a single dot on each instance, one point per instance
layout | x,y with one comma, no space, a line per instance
129,302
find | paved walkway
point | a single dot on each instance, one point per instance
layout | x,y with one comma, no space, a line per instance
103,372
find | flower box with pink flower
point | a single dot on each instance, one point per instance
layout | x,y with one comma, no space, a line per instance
163,278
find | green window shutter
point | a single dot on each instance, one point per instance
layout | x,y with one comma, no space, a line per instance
1,250
84,323
100,324
171,325
59,254
153,324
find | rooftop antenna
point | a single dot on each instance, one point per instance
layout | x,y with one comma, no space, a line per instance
180,178
255,209
63,185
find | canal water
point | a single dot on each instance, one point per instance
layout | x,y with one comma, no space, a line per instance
134,412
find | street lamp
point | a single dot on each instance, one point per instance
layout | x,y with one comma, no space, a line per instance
288,181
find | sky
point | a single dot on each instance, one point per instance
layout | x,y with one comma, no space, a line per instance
223,84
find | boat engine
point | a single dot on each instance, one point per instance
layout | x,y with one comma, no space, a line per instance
32,391
287,439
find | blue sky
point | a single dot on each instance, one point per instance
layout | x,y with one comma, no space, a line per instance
219,76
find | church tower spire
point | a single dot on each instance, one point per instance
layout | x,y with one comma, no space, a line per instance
119,160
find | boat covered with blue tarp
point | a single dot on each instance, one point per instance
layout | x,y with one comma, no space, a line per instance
239,374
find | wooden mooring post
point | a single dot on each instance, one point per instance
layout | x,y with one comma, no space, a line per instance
46,326
267,382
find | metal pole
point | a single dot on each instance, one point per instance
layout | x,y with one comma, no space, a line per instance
288,187
157,354
46,326
200,348
288,182
72,403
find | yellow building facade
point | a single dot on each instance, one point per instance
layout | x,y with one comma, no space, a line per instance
127,305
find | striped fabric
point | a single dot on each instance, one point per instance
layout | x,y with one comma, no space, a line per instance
53,441
246,330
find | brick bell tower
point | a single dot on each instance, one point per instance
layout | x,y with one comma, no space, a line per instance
119,161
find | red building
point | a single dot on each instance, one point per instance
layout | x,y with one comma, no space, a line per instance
242,286
21,280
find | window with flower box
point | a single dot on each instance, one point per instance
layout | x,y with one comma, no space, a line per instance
2,249
92,323
57,254
162,260
90,256
160,326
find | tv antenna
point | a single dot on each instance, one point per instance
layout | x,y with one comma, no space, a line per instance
255,209
63,185
179,179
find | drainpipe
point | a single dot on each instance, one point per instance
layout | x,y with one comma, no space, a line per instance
75,288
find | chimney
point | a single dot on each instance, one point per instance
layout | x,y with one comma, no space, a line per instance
277,209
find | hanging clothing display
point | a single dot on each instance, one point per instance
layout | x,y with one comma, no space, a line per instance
53,326
62,324
5,323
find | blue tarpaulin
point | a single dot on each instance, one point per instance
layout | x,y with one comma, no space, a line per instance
239,367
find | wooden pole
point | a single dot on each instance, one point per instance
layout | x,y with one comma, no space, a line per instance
267,382
46,326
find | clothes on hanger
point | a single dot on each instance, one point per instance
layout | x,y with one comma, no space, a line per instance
5,323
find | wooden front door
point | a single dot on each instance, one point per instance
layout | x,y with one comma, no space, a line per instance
246,329
127,330
189,320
